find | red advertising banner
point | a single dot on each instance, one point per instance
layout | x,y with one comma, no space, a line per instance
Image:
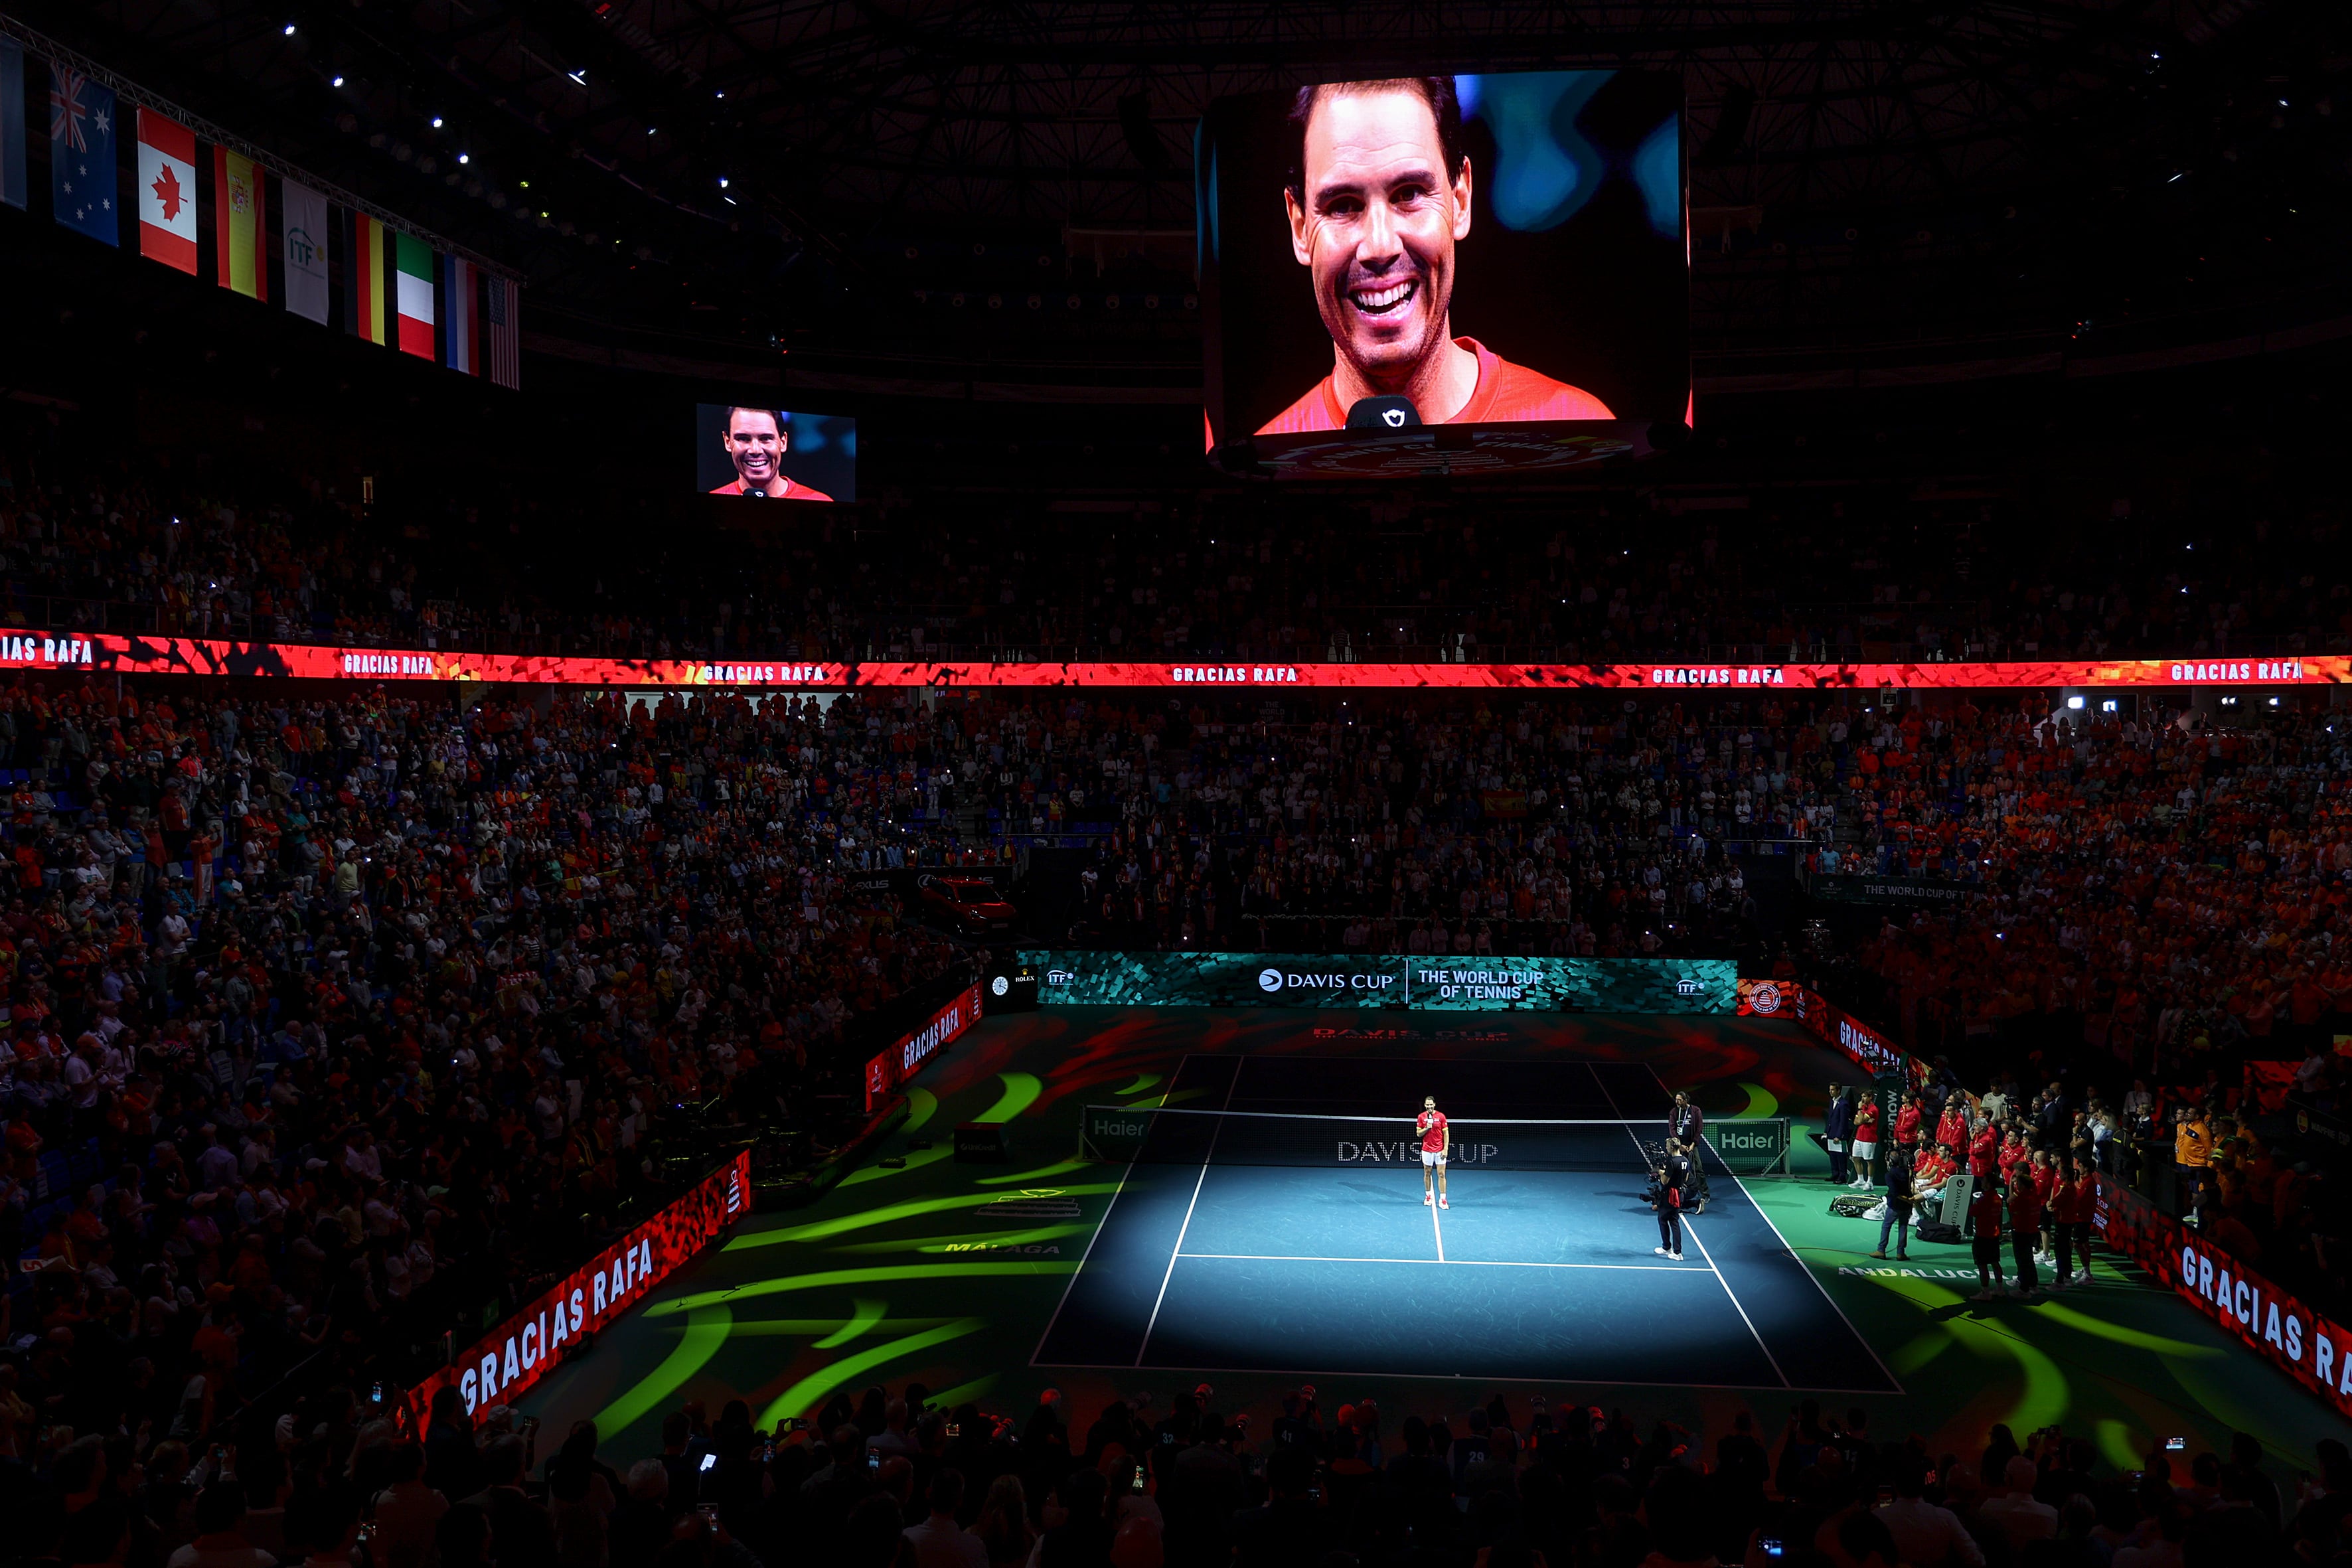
2311,1350
1765,998
114,653
525,1348
1834,1025
904,1060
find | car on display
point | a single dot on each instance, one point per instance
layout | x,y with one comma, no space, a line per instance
968,906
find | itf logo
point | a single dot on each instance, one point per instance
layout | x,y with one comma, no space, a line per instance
1269,979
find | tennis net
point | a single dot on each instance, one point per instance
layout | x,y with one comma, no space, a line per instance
1189,1136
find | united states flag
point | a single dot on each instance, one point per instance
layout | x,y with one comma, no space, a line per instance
501,340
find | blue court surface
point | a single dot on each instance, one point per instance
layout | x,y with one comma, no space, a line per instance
1203,1263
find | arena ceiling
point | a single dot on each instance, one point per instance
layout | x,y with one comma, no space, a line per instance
1857,166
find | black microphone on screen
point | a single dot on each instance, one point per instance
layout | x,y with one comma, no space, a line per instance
1383,414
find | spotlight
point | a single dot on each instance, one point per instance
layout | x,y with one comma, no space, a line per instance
437,123
337,82
289,33
465,157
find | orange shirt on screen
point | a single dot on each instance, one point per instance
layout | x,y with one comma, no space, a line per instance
1505,393
793,491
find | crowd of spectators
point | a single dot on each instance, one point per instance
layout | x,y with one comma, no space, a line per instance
1880,570
891,1482
2175,887
287,969
334,1023
248,931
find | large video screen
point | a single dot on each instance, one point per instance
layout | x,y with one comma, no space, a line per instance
775,454
1464,250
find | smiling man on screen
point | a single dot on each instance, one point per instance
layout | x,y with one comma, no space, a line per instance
756,442
1379,199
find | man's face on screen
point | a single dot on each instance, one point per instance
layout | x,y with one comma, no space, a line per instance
1380,218
755,445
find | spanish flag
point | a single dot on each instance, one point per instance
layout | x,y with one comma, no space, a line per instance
242,225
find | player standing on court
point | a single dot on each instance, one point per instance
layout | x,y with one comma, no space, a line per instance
1436,1142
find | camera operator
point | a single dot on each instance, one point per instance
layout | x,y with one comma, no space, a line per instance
1674,1187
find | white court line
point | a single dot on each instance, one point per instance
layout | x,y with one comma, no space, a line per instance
1351,1372
1413,1121
1794,1257
1101,1226
1177,1251
1426,1262
1736,1306
1439,1229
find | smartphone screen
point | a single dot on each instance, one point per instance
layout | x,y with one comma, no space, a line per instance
709,1462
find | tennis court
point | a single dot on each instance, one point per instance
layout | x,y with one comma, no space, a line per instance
1282,1239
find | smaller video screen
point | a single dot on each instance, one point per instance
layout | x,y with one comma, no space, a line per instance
775,454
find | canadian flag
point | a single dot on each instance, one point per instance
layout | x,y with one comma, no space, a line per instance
167,192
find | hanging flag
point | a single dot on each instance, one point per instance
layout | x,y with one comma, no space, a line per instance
81,154
363,311
167,192
460,322
12,124
501,342
415,298
305,250
242,221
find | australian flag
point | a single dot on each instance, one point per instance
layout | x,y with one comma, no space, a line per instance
82,153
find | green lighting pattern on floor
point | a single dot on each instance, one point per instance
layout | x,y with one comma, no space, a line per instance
915,1271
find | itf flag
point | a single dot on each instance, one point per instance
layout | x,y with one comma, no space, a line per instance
240,247
305,250
82,153
167,192
501,335
12,124
461,323
414,262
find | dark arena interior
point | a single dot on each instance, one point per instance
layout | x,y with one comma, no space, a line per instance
924,786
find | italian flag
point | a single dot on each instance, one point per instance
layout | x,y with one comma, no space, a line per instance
415,298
